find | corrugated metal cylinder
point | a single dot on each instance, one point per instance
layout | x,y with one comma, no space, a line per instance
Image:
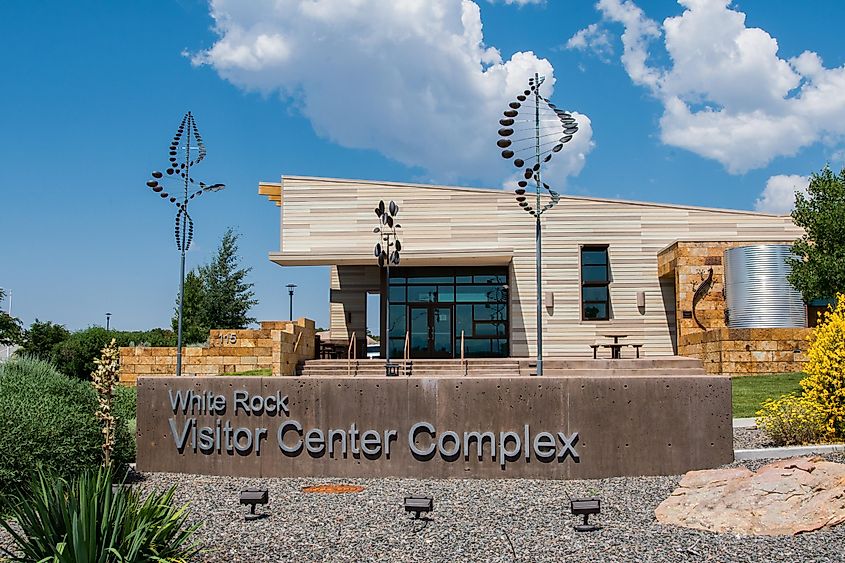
757,291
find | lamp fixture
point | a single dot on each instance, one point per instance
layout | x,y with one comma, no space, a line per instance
418,505
253,497
585,507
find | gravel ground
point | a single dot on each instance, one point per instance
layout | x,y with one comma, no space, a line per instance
749,438
473,520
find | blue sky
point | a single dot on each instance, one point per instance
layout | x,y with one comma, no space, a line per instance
699,102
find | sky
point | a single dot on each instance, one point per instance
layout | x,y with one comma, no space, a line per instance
694,102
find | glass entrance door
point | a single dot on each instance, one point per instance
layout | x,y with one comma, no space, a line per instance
431,331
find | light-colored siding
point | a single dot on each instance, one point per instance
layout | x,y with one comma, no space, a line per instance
328,221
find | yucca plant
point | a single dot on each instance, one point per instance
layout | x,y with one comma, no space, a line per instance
87,520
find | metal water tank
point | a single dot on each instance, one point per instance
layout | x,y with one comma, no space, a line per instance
757,291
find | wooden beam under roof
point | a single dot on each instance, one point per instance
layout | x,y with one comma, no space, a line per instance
273,191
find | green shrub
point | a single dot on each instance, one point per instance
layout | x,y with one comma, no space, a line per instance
124,402
87,520
124,410
791,420
75,355
47,419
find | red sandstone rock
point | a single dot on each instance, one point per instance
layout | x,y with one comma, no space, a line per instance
786,497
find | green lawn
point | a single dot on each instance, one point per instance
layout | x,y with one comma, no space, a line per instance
750,392
262,371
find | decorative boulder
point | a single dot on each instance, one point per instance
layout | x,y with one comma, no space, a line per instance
783,498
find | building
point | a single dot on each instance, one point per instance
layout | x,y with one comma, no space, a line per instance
466,283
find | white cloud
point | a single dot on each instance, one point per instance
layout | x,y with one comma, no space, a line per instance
412,79
779,194
727,95
592,38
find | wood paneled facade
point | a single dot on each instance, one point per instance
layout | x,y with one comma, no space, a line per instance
330,222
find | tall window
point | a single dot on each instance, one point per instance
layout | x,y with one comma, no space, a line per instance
595,283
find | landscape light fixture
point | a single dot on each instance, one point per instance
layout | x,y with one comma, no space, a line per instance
418,505
108,319
387,253
253,497
533,130
186,139
585,507
291,287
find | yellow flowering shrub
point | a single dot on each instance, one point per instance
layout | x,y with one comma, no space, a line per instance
791,420
825,369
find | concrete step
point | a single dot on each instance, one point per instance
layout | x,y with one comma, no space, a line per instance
496,373
507,367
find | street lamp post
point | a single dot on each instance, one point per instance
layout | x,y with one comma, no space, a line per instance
186,139
542,129
291,287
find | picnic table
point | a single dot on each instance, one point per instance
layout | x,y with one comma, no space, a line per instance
615,347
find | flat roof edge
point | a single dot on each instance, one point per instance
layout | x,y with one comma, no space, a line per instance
496,191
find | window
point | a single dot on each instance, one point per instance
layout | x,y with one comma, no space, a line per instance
595,283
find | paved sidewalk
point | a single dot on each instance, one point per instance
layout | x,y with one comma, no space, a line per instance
745,423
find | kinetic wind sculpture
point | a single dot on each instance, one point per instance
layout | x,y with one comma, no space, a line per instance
186,139
533,130
387,253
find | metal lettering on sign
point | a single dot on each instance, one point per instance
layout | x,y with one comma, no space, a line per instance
292,438
228,339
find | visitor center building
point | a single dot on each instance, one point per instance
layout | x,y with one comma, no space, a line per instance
466,282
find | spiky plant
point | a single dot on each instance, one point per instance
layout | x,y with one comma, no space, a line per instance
92,519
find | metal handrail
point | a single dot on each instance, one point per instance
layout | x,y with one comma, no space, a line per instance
463,360
351,351
406,352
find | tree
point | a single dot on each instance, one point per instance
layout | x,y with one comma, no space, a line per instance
216,294
10,327
818,271
194,325
41,339
228,297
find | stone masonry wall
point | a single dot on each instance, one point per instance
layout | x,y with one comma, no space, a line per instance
689,263
278,346
748,351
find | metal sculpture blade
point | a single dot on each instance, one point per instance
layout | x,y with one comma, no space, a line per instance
528,124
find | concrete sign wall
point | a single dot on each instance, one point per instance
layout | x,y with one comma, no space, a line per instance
549,427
